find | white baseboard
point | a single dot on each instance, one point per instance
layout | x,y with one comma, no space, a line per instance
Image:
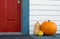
10,33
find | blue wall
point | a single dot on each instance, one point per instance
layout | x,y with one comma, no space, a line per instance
25,17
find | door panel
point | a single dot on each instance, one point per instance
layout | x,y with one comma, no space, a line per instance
2,10
11,10
10,16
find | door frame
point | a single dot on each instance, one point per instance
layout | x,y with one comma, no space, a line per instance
25,17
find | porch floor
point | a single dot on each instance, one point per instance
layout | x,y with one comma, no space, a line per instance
14,37
47,37
28,37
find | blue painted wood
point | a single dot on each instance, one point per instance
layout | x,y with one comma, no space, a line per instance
25,17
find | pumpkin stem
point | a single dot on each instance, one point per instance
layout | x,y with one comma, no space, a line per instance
48,20
37,22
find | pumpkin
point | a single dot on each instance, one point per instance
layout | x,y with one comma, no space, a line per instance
49,28
36,28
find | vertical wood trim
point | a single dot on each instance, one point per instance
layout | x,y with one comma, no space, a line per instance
25,17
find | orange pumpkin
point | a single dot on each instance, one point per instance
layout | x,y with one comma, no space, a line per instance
49,28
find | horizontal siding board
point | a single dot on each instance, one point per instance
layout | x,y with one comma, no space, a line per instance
44,17
58,32
31,32
45,2
43,10
45,7
39,13
31,28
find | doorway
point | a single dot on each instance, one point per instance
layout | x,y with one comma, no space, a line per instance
10,16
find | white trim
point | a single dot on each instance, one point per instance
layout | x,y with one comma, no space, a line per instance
10,33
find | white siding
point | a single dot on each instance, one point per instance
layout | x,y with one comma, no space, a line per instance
44,10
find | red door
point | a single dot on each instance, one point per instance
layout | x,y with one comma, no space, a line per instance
10,16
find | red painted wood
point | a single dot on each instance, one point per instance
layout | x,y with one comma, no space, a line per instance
10,16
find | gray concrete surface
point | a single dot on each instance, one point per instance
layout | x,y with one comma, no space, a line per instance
15,37
47,37
28,37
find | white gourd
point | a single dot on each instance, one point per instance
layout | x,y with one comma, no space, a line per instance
36,28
